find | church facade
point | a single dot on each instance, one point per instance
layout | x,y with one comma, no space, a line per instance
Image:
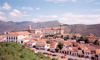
48,31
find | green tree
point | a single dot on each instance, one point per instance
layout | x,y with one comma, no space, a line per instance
81,39
60,45
87,41
74,37
96,42
54,59
65,38
48,42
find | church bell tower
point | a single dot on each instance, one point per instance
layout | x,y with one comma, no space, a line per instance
61,29
29,27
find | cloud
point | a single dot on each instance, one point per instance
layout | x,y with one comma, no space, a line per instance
61,5
74,0
89,0
49,16
97,3
96,10
2,16
71,18
80,16
25,12
27,8
16,14
61,0
63,18
2,13
35,19
5,7
13,14
17,11
37,8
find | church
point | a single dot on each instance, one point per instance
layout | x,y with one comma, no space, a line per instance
48,30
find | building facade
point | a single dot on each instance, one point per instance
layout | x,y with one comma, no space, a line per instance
49,31
19,37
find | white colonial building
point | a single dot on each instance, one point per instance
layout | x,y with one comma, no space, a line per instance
20,37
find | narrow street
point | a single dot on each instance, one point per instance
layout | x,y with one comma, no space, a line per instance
59,55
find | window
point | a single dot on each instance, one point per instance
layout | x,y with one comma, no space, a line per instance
11,37
16,37
7,37
21,42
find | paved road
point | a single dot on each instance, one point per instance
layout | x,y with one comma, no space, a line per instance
59,55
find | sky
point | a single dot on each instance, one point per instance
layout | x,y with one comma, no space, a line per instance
65,11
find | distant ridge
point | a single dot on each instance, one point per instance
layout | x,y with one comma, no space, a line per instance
15,26
83,29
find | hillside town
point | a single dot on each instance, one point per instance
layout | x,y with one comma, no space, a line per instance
53,39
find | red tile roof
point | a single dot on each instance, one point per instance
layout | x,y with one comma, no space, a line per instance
52,28
40,42
66,43
19,33
2,35
53,45
98,51
87,51
74,49
25,38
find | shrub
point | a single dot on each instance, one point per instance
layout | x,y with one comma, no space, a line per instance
54,59
22,56
48,42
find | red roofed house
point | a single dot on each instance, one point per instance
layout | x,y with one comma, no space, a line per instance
59,40
67,44
42,45
98,53
36,37
92,37
74,51
2,38
20,37
63,50
72,41
78,36
81,42
53,46
87,53
30,43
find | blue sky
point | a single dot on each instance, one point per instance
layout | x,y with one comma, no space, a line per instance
65,11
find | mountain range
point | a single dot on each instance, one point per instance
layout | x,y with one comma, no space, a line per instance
17,26
76,28
83,29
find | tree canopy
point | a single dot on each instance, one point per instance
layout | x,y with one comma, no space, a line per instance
48,42
60,45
